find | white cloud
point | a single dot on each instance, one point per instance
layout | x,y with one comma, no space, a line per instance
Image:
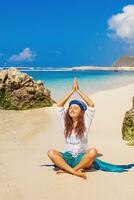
25,55
122,24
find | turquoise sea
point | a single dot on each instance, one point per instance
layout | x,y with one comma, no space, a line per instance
60,82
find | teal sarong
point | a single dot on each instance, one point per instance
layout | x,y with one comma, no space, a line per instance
70,160
97,164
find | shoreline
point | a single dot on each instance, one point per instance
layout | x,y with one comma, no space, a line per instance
113,88
95,92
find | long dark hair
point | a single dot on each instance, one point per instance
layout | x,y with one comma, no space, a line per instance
79,129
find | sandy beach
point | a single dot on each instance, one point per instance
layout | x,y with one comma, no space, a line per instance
26,173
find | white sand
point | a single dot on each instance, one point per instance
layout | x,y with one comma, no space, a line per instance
26,136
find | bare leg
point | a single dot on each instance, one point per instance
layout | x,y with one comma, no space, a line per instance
60,162
87,159
85,162
61,171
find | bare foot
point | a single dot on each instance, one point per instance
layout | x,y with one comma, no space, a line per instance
61,171
78,173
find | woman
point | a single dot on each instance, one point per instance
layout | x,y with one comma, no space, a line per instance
76,121
78,118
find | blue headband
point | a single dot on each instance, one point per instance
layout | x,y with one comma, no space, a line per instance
78,102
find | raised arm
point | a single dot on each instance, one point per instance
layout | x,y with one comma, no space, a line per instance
65,98
75,87
88,101
86,98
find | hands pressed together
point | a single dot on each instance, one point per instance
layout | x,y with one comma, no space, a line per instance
75,85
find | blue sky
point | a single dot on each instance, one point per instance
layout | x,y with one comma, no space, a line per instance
60,33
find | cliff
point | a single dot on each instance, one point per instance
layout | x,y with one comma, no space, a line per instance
124,61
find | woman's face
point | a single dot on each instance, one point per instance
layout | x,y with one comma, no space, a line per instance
74,110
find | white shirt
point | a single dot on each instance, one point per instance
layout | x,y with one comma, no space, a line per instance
73,144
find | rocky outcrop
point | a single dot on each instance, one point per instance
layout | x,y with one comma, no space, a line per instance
123,61
128,126
19,91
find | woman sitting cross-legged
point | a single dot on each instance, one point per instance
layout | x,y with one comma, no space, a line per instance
76,121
